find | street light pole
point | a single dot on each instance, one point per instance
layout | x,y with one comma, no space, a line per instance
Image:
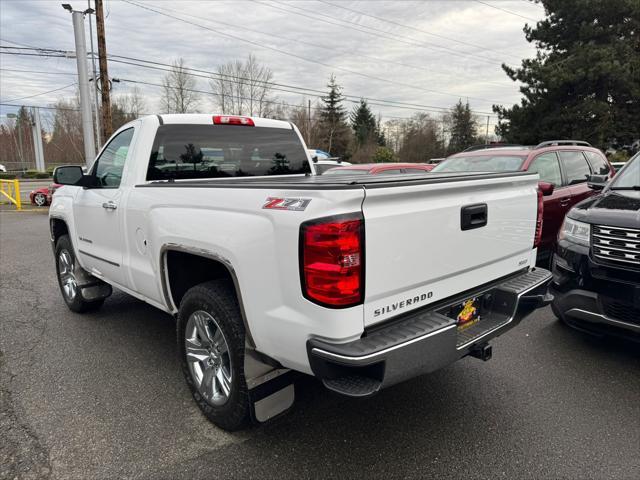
83,82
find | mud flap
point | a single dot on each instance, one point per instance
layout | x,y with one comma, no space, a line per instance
271,389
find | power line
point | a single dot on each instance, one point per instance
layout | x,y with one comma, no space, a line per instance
41,93
392,22
227,24
274,86
370,31
37,71
505,10
6,104
284,52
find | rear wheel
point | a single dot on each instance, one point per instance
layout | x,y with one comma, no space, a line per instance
68,272
211,342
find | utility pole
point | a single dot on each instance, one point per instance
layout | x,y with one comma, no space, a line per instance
486,141
98,128
37,139
309,122
83,82
105,84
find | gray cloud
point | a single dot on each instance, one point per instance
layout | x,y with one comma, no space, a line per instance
469,70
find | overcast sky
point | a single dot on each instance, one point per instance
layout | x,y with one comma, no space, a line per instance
420,52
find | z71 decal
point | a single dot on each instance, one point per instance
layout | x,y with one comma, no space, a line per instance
295,204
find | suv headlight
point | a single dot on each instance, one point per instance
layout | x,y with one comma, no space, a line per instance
575,232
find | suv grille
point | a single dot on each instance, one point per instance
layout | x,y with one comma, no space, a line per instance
616,245
621,311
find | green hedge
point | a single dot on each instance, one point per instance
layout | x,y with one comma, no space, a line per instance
7,176
35,174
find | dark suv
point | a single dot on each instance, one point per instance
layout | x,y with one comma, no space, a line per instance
563,166
596,268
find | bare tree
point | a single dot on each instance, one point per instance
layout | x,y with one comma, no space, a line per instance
244,88
127,107
307,119
178,90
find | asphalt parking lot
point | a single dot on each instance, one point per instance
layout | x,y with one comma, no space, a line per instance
102,396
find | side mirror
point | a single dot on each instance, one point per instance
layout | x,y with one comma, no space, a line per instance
546,188
74,175
597,182
68,175
314,159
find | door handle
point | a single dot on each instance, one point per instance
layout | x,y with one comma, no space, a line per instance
109,205
473,216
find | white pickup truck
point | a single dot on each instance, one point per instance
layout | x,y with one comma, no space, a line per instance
272,271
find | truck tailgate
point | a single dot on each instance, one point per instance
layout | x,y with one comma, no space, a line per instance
421,249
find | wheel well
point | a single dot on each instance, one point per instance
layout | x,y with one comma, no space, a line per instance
58,228
186,270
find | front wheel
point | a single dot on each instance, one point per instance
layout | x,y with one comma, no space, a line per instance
68,274
211,342
40,199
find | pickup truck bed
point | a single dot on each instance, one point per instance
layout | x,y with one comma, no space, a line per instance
295,273
329,182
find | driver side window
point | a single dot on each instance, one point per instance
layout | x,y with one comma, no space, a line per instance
109,166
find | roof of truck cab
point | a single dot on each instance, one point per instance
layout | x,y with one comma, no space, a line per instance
207,119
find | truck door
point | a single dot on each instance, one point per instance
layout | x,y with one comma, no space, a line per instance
98,216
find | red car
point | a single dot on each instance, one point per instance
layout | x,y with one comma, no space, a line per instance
378,168
41,197
563,165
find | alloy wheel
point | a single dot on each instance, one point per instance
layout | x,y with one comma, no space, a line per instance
67,275
208,357
40,199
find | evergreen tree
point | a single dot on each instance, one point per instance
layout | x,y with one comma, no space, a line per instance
363,123
584,82
335,131
463,127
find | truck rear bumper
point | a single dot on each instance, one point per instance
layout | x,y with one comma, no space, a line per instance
425,340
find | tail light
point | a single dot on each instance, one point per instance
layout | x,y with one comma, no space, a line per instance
332,260
232,120
538,236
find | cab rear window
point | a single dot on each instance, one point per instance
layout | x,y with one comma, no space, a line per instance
216,151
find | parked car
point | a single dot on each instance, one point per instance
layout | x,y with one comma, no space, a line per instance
380,168
319,154
323,161
269,274
322,166
3,169
596,268
563,166
41,197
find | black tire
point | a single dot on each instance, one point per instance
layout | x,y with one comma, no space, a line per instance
218,299
556,312
75,303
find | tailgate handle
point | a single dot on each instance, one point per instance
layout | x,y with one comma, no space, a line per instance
473,216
